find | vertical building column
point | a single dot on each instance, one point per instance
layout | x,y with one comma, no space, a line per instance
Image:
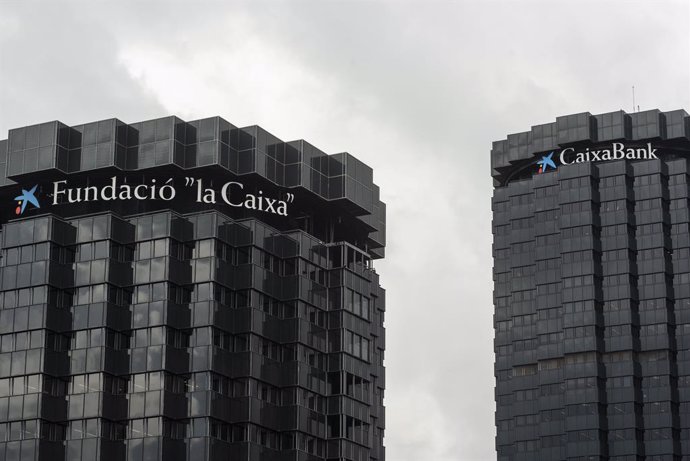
679,210
519,283
580,245
549,267
657,355
35,280
158,355
503,347
99,338
620,310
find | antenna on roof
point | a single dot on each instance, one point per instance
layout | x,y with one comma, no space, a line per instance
633,94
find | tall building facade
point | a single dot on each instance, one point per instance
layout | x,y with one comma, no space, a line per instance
591,217
175,290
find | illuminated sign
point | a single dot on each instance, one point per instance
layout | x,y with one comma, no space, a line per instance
231,193
546,162
27,196
617,151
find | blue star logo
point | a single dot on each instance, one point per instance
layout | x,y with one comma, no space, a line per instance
28,196
545,162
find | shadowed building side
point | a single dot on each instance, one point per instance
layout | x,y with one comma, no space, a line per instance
142,322
591,217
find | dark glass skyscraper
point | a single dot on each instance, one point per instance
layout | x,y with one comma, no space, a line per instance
592,288
175,290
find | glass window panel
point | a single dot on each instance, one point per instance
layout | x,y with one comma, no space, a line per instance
78,384
92,427
139,382
94,382
137,428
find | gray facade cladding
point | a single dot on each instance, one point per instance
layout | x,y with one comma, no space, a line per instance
592,288
187,329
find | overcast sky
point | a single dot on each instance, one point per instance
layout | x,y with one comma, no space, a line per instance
417,90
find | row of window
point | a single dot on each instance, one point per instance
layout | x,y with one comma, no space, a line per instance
524,320
157,336
524,199
38,252
62,298
21,385
348,383
162,247
579,207
525,295
616,230
587,357
162,291
552,389
357,303
575,183
101,250
580,306
528,247
680,204
160,426
612,181
522,223
583,280
97,427
677,179
579,231
547,215
102,293
614,205
544,192
158,226
99,337
31,429
652,229
356,345
614,382
526,271
589,280
651,204
554,312
213,247
24,340
96,337
647,179
551,338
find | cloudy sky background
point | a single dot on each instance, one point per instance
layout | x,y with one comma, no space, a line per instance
418,90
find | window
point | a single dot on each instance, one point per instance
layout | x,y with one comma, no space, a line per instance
357,303
356,345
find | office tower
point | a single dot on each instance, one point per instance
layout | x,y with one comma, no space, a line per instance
177,290
592,288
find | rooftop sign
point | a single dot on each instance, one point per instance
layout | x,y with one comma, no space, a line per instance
617,151
231,193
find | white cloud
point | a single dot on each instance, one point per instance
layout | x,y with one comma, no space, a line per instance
233,71
428,438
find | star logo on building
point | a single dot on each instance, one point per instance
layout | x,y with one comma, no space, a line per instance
546,162
28,196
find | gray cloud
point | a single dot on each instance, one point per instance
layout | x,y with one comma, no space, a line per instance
418,90
55,65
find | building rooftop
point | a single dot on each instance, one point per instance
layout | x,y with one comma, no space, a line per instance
49,151
519,150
